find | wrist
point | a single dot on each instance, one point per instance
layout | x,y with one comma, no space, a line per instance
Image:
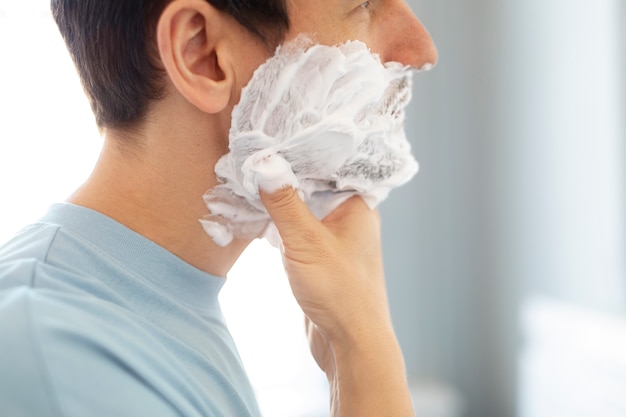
368,378
364,335
367,348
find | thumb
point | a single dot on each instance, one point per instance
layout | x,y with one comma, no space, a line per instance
277,184
290,214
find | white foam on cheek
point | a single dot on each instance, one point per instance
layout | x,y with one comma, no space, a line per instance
325,120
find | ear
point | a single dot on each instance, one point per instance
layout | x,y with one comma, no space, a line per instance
191,43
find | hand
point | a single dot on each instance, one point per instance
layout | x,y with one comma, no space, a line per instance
335,271
334,266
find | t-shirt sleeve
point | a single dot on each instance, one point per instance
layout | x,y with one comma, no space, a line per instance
51,364
24,388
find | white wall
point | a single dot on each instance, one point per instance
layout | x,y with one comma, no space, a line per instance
520,136
48,137
571,120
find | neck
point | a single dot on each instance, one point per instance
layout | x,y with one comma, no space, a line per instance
156,190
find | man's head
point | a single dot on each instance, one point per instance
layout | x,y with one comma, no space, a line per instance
126,49
113,44
164,77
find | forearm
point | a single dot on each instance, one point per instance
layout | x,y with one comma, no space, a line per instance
369,379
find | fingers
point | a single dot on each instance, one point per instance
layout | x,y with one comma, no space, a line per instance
292,217
298,226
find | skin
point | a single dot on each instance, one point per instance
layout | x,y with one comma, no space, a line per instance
155,186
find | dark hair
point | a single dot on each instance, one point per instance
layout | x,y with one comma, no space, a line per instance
113,45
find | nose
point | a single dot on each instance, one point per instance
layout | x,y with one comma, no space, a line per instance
404,39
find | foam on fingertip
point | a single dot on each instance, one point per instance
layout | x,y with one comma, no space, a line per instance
269,172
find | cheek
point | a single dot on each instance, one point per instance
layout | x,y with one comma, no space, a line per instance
327,27
248,61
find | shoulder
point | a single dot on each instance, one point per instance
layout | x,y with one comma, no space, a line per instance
32,242
22,256
81,336
63,355
65,352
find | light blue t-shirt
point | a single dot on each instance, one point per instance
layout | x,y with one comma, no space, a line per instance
96,320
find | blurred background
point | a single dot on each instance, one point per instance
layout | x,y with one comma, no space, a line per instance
505,256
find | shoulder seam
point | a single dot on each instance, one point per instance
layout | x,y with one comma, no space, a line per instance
52,239
44,259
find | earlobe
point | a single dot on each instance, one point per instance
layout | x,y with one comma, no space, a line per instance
191,46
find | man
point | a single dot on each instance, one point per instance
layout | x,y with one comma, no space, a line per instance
108,305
